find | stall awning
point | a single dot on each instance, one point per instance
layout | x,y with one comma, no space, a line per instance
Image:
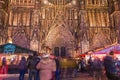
114,47
13,49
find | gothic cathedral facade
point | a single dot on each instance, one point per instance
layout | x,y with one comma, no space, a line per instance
68,25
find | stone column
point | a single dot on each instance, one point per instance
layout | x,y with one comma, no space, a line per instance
93,16
1,3
95,2
90,18
1,12
102,19
116,5
116,19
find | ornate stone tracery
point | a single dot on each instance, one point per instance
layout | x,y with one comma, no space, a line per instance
69,23
59,35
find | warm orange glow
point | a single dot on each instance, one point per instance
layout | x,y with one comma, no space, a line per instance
10,40
45,2
74,2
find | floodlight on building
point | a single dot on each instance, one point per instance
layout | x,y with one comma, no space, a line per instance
10,40
74,2
45,2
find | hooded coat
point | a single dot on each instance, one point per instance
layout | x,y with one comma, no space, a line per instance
46,68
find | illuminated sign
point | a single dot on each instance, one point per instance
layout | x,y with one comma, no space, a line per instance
9,48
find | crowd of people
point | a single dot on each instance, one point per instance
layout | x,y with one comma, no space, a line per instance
39,68
98,68
56,68
46,68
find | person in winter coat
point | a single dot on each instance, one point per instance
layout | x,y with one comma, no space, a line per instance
46,66
4,67
31,64
22,68
110,67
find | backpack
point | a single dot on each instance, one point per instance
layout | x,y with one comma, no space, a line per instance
32,63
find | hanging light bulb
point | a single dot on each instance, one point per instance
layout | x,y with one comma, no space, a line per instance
9,40
45,1
74,2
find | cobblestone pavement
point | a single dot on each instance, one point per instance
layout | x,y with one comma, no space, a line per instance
81,76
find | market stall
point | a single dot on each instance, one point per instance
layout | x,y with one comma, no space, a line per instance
13,53
103,51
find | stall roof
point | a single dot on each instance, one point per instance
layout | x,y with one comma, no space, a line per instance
114,47
13,48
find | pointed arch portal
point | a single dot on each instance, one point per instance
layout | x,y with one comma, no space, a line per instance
60,36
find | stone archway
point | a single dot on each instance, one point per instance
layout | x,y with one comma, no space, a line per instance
60,36
20,39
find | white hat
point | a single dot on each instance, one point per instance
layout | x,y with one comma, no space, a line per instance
45,55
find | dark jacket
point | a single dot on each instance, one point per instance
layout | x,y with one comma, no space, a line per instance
22,64
109,64
32,62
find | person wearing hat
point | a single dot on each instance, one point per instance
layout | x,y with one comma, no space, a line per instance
46,66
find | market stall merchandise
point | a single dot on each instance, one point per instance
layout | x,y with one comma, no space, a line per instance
13,53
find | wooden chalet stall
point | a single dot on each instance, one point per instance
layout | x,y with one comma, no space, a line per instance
13,54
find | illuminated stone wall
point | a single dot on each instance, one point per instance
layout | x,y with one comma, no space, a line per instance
83,23
3,23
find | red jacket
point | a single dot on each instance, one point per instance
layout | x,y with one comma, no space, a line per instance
4,69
